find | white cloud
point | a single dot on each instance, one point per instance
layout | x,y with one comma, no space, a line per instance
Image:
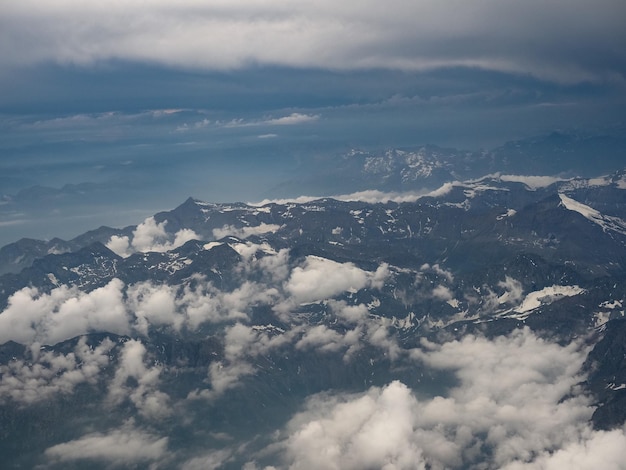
533,182
513,290
371,431
359,329
153,305
48,373
63,314
149,401
242,345
123,446
516,405
150,236
205,303
120,245
324,339
321,278
442,293
290,120
372,196
596,450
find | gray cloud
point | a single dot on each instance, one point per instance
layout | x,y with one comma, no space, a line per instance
48,373
123,446
145,396
33,317
243,344
516,406
563,40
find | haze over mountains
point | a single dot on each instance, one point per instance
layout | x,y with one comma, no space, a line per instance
479,325
122,198
312,235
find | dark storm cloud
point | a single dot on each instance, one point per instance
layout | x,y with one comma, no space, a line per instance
564,41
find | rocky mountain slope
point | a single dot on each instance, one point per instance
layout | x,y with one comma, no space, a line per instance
226,335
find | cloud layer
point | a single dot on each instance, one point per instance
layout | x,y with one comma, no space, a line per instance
516,402
562,40
515,406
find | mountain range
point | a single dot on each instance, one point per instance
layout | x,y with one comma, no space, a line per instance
441,329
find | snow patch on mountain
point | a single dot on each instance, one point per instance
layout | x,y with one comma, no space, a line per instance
536,299
607,222
531,182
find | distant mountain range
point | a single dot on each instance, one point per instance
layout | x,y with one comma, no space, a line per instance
239,336
565,154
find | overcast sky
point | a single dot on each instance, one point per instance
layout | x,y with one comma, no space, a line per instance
169,95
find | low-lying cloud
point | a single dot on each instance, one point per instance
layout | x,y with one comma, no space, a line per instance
64,313
46,373
244,232
150,236
321,278
516,405
124,446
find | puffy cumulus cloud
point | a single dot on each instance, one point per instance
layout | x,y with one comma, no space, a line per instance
198,301
324,339
244,232
576,37
442,293
154,305
194,303
124,446
32,317
359,329
242,345
321,278
277,266
598,450
261,258
150,236
205,303
120,245
62,314
354,314
370,431
143,393
513,291
48,373
516,405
